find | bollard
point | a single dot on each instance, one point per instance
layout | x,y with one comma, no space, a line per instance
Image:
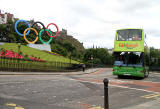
106,101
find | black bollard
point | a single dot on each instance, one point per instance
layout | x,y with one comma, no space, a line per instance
106,101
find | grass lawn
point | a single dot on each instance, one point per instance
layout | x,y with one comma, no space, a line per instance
36,53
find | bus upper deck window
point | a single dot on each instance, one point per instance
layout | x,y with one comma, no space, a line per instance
129,35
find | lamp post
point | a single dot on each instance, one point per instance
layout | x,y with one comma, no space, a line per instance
70,57
92,60
19,46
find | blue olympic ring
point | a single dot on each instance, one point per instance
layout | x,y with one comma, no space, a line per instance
18,31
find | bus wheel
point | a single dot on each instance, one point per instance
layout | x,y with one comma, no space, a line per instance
146,74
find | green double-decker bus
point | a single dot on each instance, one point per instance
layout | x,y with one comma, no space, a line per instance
129,53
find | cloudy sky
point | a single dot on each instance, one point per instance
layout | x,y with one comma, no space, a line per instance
92,21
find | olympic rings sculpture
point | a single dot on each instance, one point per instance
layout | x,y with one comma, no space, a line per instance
38,35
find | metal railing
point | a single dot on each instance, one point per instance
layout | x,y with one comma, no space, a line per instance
12,64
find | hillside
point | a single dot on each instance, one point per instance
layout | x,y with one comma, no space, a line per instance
64,44
36,53
63,36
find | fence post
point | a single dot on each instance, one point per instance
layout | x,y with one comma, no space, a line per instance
106,101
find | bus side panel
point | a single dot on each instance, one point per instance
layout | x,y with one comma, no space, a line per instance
130,71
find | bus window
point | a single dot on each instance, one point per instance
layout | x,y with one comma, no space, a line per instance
129,35
134,58
128,59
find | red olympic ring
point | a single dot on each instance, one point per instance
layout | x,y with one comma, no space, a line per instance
56,28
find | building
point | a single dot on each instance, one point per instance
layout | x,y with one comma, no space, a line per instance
5,17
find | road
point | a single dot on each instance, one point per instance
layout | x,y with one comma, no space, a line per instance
75,91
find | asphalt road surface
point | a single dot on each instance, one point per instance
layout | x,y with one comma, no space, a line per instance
75,91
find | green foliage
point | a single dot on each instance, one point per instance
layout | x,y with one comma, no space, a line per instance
68,46
97,56
58,49
154,56
3,28
66,49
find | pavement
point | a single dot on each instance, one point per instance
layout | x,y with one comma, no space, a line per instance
87,71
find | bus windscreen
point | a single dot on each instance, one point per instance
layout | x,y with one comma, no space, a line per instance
128,59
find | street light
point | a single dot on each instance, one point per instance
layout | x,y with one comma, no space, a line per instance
92,60
19,47
70,57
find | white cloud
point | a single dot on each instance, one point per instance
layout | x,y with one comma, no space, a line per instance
92,21
153,41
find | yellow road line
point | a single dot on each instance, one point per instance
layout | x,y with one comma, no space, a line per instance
151,95
14,105
158,99
18,107
11,104
98,107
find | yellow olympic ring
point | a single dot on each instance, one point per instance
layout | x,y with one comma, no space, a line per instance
27,39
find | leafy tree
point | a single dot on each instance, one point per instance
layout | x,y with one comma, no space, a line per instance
154,56
58,49
99,56
69,46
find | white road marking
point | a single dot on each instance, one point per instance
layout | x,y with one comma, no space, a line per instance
133,88
11,83
120,81
120,86
151,81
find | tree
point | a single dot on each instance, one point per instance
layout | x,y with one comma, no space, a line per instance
58,49
154,56
68,46
100,56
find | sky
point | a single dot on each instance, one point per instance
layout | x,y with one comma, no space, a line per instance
93,22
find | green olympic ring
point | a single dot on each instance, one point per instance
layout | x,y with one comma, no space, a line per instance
40,38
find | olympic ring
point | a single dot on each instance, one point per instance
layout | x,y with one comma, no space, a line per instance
56,28
15,27
39,23
26,38
42,39
27,31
